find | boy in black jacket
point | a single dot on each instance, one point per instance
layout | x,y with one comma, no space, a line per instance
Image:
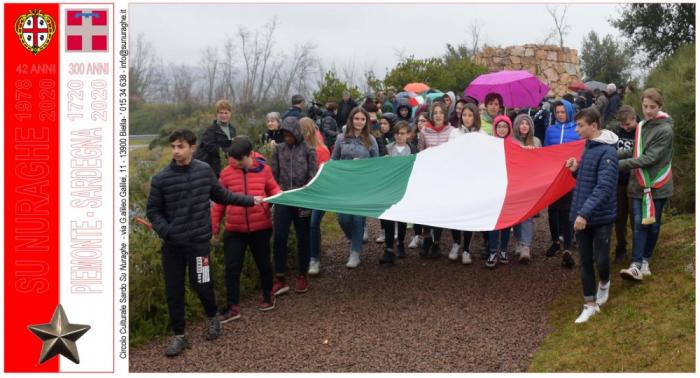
179,209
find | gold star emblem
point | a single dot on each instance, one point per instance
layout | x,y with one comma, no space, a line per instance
59,336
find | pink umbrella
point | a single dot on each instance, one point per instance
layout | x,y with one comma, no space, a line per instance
518,88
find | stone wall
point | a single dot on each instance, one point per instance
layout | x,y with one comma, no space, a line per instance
556,66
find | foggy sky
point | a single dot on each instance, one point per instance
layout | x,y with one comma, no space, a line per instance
359,36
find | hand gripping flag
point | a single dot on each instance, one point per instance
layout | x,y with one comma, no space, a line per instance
476,183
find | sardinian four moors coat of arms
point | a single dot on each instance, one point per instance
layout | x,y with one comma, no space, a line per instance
35,30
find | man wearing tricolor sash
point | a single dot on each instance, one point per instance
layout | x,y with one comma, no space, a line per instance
651,183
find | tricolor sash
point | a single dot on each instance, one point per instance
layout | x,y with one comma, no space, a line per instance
644,178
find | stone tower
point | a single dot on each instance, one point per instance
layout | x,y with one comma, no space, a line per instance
556,66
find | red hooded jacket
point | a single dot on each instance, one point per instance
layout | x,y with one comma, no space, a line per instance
255,181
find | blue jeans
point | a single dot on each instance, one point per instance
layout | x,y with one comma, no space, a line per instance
524,232
316,217
353,227
644,236
499,235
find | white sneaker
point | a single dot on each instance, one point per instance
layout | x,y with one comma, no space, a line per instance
518,248
416,242
602,295
466,258
454,252
381,239
587,312
524,257
365,236
645,268
632,273
353,260
314,267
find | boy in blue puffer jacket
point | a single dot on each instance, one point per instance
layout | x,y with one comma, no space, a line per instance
594,207
562,131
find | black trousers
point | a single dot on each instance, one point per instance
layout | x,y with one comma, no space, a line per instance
281,224
436,233
594,249
235,245
624,216
418,229
388,227
195,259
457,238
559,224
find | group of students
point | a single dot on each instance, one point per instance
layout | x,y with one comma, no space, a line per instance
179,200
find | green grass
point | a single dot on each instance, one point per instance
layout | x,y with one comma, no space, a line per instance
140,140
644,327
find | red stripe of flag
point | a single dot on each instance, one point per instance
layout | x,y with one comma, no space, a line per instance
31,191
526,167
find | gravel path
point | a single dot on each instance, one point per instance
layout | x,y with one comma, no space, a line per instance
419,315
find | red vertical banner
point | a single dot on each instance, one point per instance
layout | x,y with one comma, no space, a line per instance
31,48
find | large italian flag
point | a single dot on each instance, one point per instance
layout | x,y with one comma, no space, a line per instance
476,182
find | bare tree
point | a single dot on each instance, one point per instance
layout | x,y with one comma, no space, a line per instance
182,80
298,73
474,31
400,54
560,27
349,73
226,87
210,63
320,77
142,68
256,49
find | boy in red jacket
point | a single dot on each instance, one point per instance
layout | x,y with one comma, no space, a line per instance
246,173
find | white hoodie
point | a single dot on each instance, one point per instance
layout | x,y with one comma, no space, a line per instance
606,137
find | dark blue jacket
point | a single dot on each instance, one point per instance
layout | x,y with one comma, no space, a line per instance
293,112
560,133
595,195
614,103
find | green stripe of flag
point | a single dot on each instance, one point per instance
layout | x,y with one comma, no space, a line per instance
365,187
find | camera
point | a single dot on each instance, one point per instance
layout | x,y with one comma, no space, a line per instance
315,111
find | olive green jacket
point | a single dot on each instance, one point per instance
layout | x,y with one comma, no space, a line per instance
657,136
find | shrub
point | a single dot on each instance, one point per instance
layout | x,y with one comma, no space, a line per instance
149,118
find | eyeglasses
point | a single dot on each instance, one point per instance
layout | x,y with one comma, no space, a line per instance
422,120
